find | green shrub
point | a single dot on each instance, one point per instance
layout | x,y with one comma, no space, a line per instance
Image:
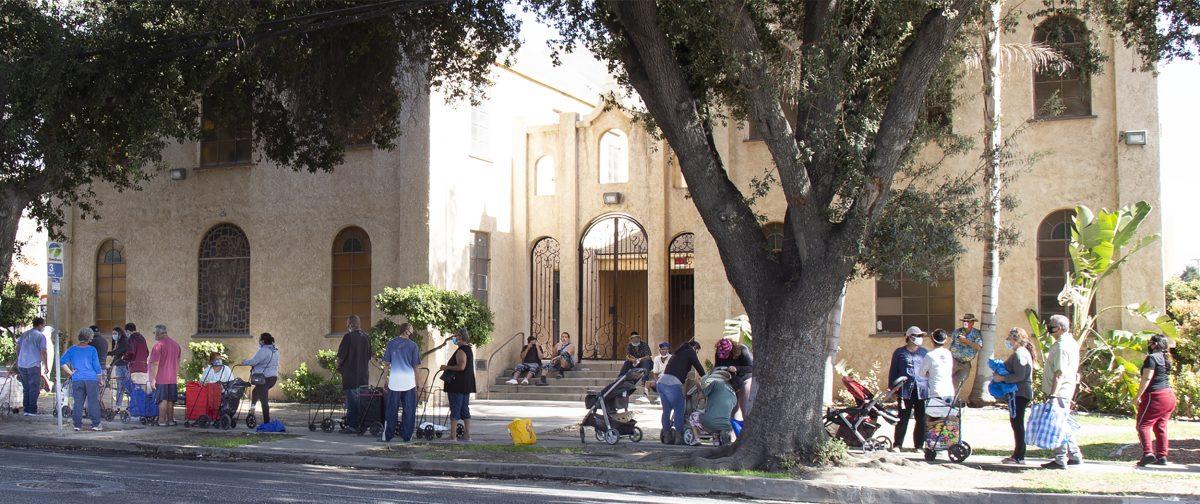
831,451
200,351
327,359
871,379
1187,393
305,386
8,346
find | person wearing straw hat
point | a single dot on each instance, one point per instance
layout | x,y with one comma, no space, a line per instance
965,343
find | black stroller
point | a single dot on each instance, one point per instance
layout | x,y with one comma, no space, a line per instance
607,423
229,414
857,424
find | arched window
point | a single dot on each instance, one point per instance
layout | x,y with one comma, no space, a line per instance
351,293
1057,91
614,157
774,234
544,176
223,304
1054,261
110,285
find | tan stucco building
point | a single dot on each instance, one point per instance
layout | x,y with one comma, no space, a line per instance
567,217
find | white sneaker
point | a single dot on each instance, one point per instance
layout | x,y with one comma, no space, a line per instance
27,414
512,381
97,428
525,381
643,399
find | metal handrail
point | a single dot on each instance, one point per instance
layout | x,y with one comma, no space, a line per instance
493,355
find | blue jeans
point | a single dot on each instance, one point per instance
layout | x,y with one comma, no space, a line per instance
672,403
351,408
85,392
407,420
31,382
460,406
120,376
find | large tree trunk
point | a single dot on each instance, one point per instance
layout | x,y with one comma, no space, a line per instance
993,144
789,369
12,203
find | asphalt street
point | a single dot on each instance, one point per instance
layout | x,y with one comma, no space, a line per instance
36,477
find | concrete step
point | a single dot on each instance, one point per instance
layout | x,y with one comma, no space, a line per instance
553,388
576,399
564,382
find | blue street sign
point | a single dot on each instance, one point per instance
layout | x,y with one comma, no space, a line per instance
54,270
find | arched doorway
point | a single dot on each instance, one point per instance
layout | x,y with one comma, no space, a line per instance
681,298
612,283
544,293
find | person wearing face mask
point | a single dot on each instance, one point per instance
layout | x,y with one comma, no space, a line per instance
1059,381
459,377
937,368
1020,372
264,372
217,371
117,366
965,343
1156,401
637,355
912,395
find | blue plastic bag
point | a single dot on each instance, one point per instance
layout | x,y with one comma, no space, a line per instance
1000,389
737,426
272,426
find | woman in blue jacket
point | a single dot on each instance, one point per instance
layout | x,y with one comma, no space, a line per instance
913,394
82,363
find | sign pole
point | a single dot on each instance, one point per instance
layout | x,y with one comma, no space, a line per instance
54,272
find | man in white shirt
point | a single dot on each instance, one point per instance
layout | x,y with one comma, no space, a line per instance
660,364
1059,379
402,358
938,367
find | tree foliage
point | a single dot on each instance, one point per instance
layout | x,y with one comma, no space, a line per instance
18,304
429,307
92,91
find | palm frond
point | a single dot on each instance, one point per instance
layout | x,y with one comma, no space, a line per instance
1039,57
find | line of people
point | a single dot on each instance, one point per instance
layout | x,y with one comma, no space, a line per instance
939,372
94,362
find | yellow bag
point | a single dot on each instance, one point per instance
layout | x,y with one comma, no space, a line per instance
521,430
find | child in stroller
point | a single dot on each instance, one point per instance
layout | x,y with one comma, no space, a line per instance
857,424
607,423
715,420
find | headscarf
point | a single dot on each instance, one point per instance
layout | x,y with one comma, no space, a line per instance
724,348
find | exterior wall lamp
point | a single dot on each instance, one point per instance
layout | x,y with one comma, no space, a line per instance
177,174
612,198
1135,137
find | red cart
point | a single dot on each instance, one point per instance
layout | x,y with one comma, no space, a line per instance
202,403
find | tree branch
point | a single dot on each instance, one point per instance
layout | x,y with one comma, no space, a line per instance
654,71
917,65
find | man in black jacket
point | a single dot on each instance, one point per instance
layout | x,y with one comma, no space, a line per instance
353,359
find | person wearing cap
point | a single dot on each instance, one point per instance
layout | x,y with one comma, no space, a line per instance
965,343
937,368
911,396
660,365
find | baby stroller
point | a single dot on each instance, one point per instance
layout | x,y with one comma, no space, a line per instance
229,414
856,425
714,422
607,424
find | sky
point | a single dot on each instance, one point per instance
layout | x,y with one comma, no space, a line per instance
1178,113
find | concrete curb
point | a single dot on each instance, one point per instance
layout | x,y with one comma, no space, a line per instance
649,480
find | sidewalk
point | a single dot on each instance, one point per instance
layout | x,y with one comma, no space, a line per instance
560,455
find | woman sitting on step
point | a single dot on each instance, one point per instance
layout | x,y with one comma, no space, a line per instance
563,360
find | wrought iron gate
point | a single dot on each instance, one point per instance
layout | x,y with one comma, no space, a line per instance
681,310
612,282
544,298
